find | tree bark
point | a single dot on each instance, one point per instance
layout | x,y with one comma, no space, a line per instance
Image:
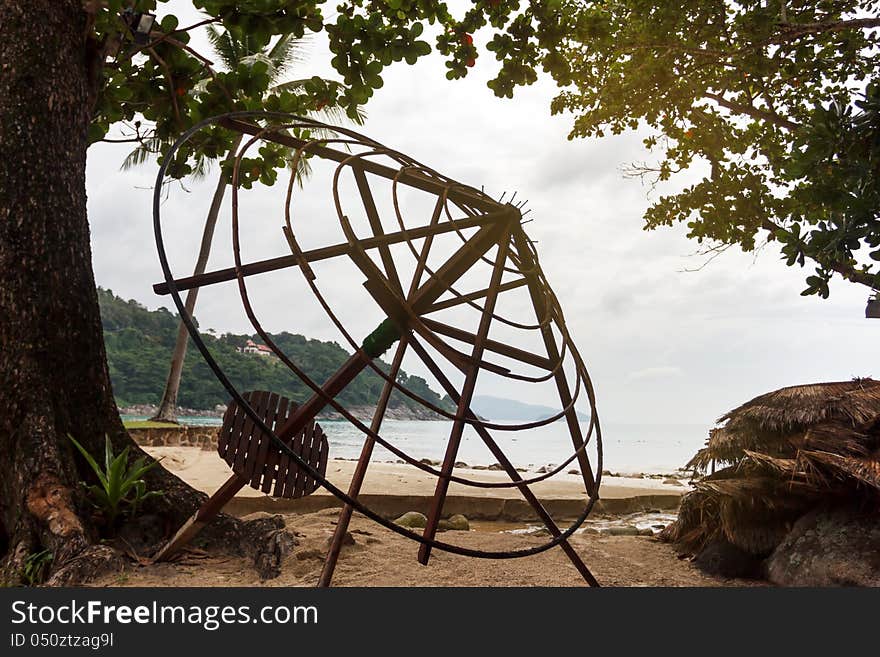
54,380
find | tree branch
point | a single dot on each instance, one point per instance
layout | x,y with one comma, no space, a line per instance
846,270
795,30
754,112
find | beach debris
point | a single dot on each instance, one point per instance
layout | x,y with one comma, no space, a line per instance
412,520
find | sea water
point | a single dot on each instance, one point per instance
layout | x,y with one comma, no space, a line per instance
627,448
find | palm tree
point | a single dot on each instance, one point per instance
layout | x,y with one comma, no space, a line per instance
233,50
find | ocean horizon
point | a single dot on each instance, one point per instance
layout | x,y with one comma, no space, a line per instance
628,448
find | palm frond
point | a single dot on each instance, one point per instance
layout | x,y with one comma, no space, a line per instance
287,52
224,46
147,149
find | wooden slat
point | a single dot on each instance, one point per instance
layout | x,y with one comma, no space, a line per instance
257,403
325,252
491,345
297,483
473,296
411,178
273,453
257,454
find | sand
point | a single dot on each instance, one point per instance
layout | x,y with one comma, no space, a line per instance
379,557
205,470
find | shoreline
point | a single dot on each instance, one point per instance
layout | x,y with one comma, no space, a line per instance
363,413
392,489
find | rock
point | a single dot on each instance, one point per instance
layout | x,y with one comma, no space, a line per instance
348,539
521,470
496,466
624,530
538,531
647,531
273,550
480,467
458,522
720,557
429,462
461,464
574,472
658,526
543,470
672,482
412,520
828,547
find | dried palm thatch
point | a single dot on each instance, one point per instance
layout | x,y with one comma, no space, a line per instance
772,422
786,452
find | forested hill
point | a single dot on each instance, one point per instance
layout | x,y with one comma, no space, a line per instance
140,341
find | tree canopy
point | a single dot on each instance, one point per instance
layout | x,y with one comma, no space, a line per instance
773,99
162,87
777,100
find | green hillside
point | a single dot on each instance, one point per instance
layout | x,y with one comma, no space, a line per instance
140,341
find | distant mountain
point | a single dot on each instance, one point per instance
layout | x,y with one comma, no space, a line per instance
498,408
139,343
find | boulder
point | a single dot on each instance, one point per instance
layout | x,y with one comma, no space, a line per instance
720,557
457,522
412,520
829,547
623,530
495,466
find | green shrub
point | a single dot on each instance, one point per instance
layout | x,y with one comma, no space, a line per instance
122,488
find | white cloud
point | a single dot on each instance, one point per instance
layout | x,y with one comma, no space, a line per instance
654,373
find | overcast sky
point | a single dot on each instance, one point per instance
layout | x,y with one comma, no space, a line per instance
662,345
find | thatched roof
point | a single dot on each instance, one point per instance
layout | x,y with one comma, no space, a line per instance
773,422
788,451
800,407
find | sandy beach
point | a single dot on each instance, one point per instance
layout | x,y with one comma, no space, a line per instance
375,556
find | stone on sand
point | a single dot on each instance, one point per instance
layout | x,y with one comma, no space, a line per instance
412,520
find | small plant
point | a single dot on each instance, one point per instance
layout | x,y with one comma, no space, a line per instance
35,567
122,488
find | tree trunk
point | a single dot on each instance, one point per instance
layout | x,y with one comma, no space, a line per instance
168,408
54,380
